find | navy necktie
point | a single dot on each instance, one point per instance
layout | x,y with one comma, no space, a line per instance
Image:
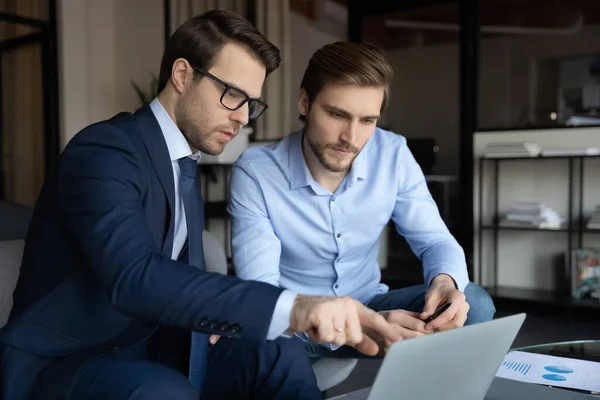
189,188
194,214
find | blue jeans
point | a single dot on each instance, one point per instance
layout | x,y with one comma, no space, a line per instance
411,299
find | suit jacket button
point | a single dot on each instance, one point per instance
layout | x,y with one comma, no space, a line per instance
213,325
235,328
203,322
224,326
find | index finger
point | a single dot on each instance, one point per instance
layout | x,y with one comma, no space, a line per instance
377,322
407,319
354,334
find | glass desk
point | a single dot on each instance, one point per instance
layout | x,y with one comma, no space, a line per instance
588,350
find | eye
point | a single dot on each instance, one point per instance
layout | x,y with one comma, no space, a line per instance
234,94
368,121
335,114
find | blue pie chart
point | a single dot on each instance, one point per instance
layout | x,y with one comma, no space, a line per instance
554,377
558,370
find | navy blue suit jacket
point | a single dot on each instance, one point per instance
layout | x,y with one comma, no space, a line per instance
97,259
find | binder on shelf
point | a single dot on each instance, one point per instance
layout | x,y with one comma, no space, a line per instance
585,273
594,222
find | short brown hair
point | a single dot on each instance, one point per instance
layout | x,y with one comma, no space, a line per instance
201,38
347,62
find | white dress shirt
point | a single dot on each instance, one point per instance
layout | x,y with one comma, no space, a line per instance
179,148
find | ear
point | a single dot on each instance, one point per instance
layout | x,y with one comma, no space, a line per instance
181,73
303,103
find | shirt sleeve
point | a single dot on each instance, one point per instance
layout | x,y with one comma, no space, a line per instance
256,250
255,247
417,218
280,323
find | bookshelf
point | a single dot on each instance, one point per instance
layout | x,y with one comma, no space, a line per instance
572,231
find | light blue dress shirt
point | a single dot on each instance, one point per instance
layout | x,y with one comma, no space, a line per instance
179,148
289,231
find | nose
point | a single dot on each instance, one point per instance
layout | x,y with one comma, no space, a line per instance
349,133
241,115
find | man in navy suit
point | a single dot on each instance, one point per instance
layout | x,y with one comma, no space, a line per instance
113,301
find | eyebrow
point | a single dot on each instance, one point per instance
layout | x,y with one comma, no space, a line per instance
231,85
346,113
242,90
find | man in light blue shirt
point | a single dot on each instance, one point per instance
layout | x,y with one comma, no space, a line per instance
308,212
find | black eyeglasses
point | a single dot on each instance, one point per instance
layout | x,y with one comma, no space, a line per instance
233,98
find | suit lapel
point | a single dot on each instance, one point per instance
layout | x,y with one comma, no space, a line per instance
159,155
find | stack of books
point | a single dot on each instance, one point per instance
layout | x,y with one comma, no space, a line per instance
512,149
533,214
594,222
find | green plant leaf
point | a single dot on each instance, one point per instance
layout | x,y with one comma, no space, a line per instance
143,96
140,93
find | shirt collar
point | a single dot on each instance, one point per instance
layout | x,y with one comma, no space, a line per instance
176,142
300,174
359,165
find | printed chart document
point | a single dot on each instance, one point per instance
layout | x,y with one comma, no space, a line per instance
551,371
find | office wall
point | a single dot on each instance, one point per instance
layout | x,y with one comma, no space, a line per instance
425,95
102,45
424,100
306,38
139,27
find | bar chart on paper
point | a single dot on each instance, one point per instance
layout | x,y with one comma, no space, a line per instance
521,368
550,370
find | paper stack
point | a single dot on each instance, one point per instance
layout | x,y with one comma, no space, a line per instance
570,151
533,214
594,222
512,149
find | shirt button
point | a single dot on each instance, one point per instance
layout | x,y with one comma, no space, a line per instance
333,198
339,235
337,286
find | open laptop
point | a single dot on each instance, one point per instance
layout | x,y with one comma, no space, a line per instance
454,365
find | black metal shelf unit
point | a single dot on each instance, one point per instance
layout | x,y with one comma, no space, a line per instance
574,229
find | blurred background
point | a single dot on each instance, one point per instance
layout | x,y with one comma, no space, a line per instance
499,101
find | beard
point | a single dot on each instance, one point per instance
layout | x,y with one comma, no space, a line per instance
329,162
201,133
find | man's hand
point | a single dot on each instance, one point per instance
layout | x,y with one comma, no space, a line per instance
213,339
441,291
342,321
407,324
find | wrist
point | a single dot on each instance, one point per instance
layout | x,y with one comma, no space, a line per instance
294,312
297,300
444,279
